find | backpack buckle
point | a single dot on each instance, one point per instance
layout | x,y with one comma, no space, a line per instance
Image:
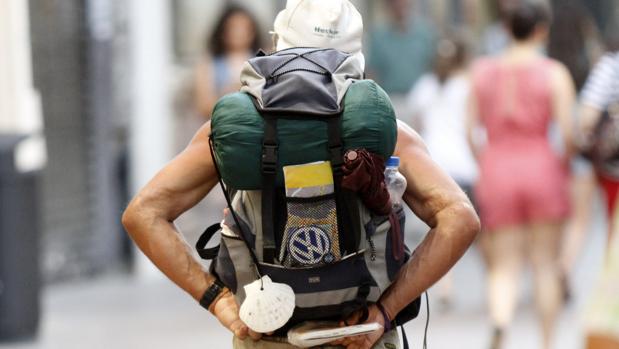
269,158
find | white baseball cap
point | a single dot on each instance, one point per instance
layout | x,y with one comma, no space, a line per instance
320,23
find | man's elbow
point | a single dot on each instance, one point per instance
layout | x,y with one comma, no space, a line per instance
468,222
129,218
134,216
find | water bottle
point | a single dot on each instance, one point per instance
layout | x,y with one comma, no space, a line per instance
396,183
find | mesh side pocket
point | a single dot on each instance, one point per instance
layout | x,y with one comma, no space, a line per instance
311,236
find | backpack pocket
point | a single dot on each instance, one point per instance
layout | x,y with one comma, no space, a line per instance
234,265
328,291
386,252
310,237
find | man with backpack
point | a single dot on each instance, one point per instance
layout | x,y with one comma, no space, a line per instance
307,105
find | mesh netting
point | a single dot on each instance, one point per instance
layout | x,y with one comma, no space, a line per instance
311,234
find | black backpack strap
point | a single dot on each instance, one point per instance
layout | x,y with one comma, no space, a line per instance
345,205
269,174
208,253
334,130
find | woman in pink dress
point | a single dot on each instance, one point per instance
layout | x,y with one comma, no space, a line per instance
522,190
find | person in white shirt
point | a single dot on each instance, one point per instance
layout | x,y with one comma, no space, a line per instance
438,103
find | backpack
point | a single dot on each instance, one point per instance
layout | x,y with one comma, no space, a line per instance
604,148
299,106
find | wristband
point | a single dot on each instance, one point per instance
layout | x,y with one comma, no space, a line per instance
387,321
211,294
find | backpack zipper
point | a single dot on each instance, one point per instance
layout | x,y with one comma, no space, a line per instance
372,249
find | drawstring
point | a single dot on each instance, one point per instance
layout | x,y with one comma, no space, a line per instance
234,216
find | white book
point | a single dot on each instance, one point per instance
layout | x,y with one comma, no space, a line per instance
311,334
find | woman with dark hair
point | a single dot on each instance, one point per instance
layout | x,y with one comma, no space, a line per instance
234,40
522,192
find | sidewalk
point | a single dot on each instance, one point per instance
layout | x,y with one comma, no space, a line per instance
124,312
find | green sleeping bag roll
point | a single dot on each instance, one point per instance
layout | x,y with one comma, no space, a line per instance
368,122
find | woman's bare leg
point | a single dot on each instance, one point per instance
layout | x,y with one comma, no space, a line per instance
504,255
544,247
582,194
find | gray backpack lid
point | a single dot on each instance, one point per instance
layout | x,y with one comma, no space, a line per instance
319,83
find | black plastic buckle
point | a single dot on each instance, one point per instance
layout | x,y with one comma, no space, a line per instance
269,158
336,159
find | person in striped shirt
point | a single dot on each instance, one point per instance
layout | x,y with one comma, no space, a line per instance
600,93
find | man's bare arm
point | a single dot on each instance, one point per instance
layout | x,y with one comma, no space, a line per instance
150,215
149,220
439,202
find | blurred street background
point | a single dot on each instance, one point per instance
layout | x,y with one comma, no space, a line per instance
97,95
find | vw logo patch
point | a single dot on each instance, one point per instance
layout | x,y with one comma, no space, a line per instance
309,245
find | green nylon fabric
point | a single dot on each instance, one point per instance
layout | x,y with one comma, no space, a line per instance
237,128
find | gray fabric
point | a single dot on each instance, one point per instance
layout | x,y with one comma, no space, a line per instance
344,69
341,78
242,263
335,297
248,205
252,82
378,266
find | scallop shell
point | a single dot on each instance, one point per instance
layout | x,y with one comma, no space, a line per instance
268,305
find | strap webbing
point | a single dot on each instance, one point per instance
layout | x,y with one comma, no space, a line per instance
208,253
335,147
269,174
347,235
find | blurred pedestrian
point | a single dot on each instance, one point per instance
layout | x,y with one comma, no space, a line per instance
574,41
438,104
234,40
496,37
522,193
600,96
400,51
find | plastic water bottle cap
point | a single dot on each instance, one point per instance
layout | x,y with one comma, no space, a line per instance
393,161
